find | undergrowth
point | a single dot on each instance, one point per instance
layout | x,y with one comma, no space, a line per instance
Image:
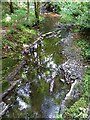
85,49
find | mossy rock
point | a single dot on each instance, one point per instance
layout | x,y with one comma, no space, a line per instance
5,85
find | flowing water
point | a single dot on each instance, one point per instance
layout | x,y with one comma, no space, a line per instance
40,91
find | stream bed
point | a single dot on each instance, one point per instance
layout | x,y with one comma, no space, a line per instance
42,88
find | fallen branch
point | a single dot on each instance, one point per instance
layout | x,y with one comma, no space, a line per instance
69,94
3,109
69,97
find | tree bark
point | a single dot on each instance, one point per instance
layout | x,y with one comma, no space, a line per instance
27,9
37,11
11,7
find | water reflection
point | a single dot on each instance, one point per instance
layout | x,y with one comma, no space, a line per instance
49,108
49,24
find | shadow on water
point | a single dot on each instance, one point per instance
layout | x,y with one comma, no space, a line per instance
40,92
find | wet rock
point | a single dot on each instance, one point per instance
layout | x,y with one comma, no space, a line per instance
24,90
62,80
71,70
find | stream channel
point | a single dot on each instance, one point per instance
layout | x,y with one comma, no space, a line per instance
42,89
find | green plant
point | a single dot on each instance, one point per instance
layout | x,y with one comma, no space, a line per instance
7,42
78,109
74,12
20,27
86,83
85,49
59,117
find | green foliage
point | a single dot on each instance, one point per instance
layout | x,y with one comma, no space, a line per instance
7,42
59,117
78,110
33,32
11,31
75,12
19,32
17,36
85,49
21,27
86,83
8,20
43,87
26,35
16,25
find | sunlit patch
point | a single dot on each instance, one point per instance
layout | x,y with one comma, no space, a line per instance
24,90
51,64
8,18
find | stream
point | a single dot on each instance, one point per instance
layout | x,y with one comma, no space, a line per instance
46,79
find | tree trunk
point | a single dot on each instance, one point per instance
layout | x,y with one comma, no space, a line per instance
11,7
27,9
37,11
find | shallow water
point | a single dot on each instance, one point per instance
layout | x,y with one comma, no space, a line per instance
41,97
40,91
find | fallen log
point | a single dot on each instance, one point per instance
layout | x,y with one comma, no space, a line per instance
9,89
16,70
40,38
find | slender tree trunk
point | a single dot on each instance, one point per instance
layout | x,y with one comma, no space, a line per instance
37,11
27,9
11,7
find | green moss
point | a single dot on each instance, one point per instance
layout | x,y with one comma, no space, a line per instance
9,63
5,85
